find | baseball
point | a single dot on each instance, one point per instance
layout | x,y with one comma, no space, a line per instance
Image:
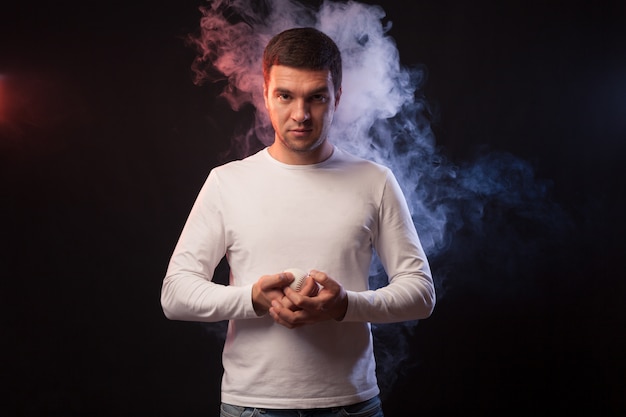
299,276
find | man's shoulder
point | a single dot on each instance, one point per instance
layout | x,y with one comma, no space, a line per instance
359,162
242,164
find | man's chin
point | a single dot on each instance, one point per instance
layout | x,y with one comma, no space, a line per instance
302,145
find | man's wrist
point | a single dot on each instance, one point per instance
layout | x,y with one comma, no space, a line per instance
258,307
342,308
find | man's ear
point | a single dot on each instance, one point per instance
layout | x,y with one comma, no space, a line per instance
337,97
265,94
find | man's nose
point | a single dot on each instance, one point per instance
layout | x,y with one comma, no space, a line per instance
300,112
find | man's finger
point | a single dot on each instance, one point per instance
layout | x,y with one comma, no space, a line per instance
323,279
276,281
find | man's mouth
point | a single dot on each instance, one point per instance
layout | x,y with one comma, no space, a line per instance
301,131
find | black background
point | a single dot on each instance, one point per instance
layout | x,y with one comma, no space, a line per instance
105,142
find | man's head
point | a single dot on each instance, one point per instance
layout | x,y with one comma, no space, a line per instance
303,48
302,88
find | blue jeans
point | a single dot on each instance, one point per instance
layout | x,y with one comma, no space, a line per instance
369,408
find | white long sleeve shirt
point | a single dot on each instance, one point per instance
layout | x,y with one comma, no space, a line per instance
266,216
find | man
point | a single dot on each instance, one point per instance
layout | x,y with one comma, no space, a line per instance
301,202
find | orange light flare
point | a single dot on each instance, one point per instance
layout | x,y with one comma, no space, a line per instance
3,100
38,107
10,130
12,109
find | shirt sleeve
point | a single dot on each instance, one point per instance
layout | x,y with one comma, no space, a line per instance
188,292
410,293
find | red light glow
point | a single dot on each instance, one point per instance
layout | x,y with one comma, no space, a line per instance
3,100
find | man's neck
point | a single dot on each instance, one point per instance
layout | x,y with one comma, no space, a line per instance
292,157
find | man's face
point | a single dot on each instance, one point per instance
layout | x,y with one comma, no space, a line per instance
301,104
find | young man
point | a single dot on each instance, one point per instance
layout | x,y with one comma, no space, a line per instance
301,202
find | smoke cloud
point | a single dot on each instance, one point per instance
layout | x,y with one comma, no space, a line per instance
383,117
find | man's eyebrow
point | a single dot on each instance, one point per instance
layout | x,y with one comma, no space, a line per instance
280,90
320,90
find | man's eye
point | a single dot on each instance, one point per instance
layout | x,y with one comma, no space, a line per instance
319,98
284,97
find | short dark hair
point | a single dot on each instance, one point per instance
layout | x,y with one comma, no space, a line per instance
305,48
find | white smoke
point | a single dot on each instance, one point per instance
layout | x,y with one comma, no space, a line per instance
379,118
382,117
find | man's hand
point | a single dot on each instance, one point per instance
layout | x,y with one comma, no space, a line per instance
267,289
299,308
